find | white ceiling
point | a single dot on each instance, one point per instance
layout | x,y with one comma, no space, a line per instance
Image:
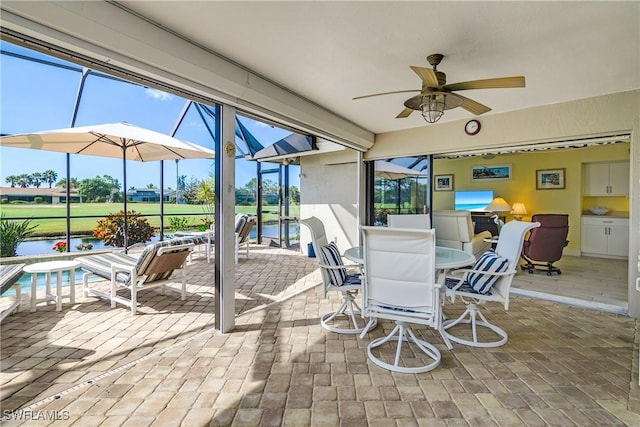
330,52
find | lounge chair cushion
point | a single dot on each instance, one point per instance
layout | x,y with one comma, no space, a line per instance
489,262
101,264
9,275
240,220
330,255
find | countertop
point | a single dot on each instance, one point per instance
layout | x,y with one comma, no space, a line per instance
614,214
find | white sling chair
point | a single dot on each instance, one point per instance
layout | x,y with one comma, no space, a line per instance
461,283
330,268
400,285
409,221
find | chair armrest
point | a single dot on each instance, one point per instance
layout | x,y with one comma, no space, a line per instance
338,267
116,268
470,270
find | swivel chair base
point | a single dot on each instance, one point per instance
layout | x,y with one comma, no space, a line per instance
403,333
472,312
348,308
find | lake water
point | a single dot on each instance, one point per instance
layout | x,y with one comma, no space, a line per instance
44,246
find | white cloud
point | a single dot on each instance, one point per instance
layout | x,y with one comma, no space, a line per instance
157,94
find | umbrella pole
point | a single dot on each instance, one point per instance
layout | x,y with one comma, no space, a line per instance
124,192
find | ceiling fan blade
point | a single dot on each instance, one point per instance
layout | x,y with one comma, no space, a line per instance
427,75
386,93
496,83
404,113
473,106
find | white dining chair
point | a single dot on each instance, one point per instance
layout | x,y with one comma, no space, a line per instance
400,285
336,278
489,280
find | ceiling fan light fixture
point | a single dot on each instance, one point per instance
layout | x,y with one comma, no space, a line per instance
432,107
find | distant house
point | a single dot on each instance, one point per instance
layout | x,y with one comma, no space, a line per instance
52,196
149,195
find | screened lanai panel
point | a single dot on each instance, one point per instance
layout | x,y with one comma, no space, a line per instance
35,96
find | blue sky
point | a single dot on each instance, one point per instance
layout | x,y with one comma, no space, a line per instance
37,97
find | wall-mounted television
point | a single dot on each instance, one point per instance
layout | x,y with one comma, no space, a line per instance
472,200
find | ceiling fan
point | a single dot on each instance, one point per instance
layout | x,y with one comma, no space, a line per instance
436,95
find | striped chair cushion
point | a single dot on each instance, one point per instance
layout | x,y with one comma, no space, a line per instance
240,220
150,252
9,274
101,264
489,262
451,283
329,255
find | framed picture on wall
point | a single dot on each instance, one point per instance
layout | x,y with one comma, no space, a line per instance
550,179
443,183
490,173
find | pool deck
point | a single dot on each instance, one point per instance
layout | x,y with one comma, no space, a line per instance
91,365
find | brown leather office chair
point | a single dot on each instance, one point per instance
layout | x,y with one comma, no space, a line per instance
545,243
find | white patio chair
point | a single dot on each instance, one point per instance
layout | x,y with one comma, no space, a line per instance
489,280
400,285
409,221
336,278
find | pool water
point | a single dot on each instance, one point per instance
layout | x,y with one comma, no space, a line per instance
41,282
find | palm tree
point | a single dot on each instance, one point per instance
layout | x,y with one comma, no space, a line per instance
23,180
12,179
49,176
36,179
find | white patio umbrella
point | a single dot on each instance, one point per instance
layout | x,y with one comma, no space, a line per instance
390,170
117,140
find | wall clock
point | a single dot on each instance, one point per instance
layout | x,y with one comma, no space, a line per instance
472,127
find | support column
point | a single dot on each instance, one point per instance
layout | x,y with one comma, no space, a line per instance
225,206
361,192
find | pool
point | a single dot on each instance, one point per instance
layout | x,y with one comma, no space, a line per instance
25,282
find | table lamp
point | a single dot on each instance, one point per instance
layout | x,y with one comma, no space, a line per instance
498,204
518,210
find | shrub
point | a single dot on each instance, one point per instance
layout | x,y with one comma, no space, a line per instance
110,229
178,223
38,200
12,233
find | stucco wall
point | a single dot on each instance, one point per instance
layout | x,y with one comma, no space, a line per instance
330,192
328,186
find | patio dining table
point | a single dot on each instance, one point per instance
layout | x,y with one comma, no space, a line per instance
446,258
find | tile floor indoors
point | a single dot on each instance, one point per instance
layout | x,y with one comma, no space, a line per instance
90,365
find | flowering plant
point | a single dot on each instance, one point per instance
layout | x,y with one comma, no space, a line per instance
84,247
60,246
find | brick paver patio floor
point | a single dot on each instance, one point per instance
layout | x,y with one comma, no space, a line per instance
90,365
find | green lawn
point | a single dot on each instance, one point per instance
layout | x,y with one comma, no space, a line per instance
84,225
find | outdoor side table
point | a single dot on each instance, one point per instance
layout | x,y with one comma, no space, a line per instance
48,268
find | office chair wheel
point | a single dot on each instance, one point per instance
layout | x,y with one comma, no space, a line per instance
530,271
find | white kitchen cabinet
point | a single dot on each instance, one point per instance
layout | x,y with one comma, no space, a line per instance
605,179
605,237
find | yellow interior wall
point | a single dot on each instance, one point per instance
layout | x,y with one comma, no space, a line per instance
522,185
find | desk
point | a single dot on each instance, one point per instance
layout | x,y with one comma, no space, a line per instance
48,268
446,258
